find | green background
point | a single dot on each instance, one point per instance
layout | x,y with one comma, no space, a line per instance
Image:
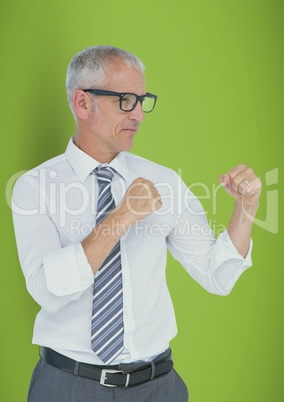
217,68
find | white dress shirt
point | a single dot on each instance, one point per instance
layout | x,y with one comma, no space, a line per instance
54,209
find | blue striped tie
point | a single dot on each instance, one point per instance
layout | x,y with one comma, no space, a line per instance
107,313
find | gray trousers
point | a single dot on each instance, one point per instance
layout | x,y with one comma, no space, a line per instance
50,384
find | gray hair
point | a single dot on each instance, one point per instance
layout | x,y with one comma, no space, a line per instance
87,69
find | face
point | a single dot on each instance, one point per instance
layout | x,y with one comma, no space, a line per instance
113,130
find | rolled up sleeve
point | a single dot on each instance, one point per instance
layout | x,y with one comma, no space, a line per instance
67,270
55,275
214,263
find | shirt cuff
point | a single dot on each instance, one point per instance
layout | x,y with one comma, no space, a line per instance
67,270
230,245
229,262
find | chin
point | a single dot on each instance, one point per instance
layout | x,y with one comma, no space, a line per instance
126,146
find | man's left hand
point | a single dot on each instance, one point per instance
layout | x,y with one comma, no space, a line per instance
242,183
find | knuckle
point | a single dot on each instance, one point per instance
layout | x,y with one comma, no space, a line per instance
138,180
249,171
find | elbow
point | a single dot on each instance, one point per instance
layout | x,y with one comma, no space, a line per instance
49,302
223,292
42,296
218,288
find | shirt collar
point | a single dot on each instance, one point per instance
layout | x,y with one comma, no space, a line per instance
83,164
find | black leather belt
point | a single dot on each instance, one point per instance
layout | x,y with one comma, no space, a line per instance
109,376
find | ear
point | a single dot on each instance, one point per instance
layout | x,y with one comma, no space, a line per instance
82,104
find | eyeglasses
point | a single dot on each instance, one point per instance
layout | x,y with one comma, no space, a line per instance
128,101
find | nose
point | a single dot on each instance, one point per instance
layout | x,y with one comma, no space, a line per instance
137,113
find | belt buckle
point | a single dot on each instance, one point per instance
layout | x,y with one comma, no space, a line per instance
104,377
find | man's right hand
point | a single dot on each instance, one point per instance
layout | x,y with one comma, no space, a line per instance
140,200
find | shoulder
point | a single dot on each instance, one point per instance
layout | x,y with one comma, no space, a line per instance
139,166
40,173
56,163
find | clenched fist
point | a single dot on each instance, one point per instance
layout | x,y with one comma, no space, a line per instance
140,200
242,183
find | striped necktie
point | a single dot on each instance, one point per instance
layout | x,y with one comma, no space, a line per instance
107,313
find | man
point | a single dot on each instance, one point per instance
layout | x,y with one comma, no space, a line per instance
93,227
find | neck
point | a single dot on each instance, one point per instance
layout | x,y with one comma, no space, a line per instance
94,150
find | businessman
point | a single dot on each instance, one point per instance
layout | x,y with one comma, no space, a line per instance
93,227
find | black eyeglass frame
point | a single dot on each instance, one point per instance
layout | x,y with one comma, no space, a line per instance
122,94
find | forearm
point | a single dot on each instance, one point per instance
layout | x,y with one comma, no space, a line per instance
103,238
140,200
240,226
